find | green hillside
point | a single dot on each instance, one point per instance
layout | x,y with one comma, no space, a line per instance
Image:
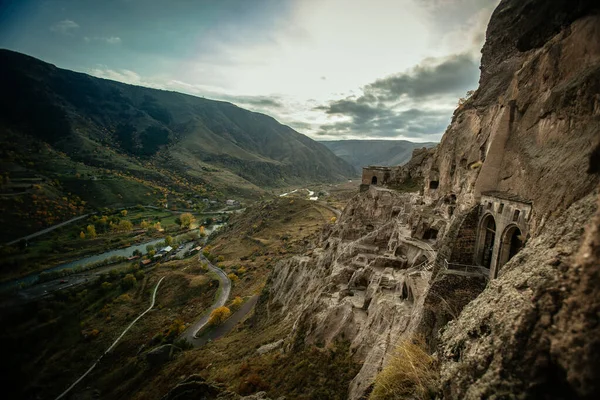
109,144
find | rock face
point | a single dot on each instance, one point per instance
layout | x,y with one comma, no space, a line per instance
532,124
363,283
402,264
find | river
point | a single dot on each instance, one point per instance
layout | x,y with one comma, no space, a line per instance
124,252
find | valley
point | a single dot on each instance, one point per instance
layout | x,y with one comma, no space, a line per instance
163,246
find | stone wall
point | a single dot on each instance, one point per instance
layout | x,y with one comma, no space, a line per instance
381,174
463,246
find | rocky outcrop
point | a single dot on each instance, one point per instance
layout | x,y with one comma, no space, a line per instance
364,283
533,124
534,120
534,331
525,135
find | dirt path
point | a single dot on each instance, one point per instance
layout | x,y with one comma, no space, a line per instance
50,229
112,346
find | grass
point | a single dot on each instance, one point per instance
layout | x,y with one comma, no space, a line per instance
410,373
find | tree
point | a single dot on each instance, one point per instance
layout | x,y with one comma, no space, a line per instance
81,235
168,240
128,281
233,277
236,303
106,286
124,226
124,213
91,231
144,224
187,219
137,253
149,248
157,226
202,231
219,315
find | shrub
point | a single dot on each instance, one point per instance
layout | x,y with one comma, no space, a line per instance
219,315
410,373
236,303
124,298
476,165
128,281
233,277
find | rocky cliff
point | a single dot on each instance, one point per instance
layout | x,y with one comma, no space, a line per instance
516,156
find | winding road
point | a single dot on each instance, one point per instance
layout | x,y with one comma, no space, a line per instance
224,290
112,346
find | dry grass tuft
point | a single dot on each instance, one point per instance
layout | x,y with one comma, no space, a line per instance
410,373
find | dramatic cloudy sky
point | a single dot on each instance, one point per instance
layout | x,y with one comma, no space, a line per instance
332,69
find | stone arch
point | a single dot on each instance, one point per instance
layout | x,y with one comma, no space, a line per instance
374,180
510,244
487,237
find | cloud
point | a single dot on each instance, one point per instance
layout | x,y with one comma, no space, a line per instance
416,103
453,76
113,40
65,27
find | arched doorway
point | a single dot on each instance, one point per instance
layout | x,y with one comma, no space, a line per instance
512,242
487,238
374,180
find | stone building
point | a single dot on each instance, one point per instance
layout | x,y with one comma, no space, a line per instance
376,175
503,227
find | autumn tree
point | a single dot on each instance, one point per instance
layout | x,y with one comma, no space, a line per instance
123,213
123,226
144,224
236,303
81,235
187,219
168,240
202,231
219,315
91,231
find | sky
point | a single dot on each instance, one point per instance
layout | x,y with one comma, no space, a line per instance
331,69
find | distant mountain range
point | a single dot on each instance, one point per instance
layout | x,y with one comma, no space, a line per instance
361,153
212,142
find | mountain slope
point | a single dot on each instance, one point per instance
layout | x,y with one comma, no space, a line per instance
190,134
360,153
